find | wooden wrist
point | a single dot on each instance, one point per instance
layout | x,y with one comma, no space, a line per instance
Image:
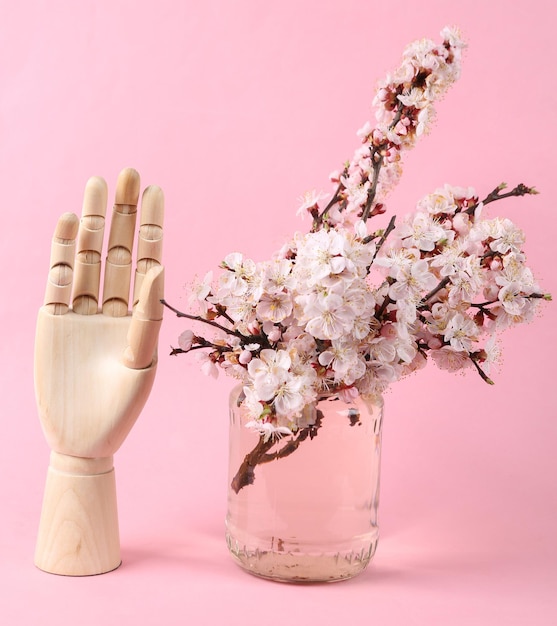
78,530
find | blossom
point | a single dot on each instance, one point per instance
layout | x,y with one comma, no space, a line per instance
505,319
277,276
492,351
351,307
449,260
287,397
252,404
512,298
274,307
329,316
310,200
358,256
321,254
343,358
399,262
268,430
440,201
466,281
413,281
202,289
461,332
446,358
208,364
453,37
507,237
269,372
239,308
422,232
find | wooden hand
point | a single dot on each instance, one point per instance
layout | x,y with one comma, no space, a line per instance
95,365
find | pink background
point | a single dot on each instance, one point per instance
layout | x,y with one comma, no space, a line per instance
235,109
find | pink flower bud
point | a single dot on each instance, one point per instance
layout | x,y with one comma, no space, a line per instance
245,357
253,328
400,128
185,340
378,209
378,137
275,335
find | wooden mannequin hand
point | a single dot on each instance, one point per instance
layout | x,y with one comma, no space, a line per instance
94,367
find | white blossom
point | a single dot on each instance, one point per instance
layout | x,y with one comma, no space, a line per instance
461,332
268,430
351,308
451,360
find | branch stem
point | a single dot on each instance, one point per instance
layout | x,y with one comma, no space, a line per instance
388,231
261,454
433,292
519,190
198,318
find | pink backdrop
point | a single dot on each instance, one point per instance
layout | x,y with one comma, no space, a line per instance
235,109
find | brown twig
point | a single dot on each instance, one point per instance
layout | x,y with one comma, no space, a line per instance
261,453
423,302
198,318
519,190
387,232
318,219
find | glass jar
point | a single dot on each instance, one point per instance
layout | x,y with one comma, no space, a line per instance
306,512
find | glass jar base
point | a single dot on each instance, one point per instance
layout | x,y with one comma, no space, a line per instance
298,567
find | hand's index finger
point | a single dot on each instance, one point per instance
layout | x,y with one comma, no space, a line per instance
120,244
62,258
149,244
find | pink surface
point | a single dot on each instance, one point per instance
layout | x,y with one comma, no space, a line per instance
235,109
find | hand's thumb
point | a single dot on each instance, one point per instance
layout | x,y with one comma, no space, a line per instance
146,321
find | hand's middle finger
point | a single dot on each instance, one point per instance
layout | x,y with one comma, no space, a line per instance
117,273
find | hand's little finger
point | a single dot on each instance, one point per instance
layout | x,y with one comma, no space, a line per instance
62,259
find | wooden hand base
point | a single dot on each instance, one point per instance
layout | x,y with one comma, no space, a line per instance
78,531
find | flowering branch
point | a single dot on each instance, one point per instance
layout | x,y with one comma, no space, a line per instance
480,371
386,233
405,109
311,319
198,318
377,162
519,190
318,218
